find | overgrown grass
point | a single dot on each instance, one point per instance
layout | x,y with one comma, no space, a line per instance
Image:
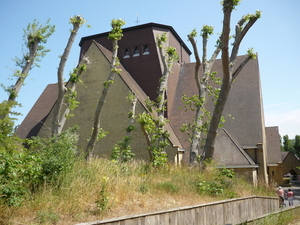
102,189
284,217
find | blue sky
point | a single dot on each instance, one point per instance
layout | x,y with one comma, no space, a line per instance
275,37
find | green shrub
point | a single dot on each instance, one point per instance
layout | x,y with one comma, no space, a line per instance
168,187
58,155
19,168
219,183
23,170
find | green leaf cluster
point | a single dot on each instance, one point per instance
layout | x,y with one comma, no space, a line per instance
158,138
219,185
251,54
103,198
207,31
122,151
24,170
160,39
230,3
116,32
77,20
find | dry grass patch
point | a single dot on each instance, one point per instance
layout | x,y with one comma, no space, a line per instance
102,189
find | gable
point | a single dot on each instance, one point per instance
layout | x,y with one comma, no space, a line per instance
229,152
36,117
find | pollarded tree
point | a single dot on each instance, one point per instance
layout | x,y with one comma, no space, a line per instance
115,35
204,88
230,69
35,35
153,125
58,115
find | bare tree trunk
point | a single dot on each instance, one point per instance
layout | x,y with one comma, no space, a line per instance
162,95
29,62
56,125
228,64
148,140
95,132
132,117
202,84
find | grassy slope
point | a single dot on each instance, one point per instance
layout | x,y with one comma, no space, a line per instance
103,189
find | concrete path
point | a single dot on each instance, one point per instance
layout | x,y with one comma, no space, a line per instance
296,189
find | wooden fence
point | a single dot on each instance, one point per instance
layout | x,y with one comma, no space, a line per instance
222,212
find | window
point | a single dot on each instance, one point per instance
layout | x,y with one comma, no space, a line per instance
146,50
126,53
136,51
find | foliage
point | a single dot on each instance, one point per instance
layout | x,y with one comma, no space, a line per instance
71,93
207,31
153,126
230,69
297,145
287,145
34,36
122,151
67,95
36,33
78,21
168,186
22,170
230,3
58,155
290,216
115,35
19,172
133,187
219,184
196,102
19,168
103,201
116,32
153,129
7,122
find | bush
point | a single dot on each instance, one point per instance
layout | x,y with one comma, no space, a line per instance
23,170
219,182
58,155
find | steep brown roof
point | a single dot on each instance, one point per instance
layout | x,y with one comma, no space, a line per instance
244,103
273,145
34,120
283,155
139,93
229,152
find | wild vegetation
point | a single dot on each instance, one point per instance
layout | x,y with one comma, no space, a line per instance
46,181
289,217
102,189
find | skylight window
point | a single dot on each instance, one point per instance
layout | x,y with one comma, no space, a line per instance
136,51
126,53
146,50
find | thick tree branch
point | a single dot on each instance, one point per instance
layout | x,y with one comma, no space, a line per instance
239,37
198,61
240,68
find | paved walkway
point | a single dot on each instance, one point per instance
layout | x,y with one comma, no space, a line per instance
296,189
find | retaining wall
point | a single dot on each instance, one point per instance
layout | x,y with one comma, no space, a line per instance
222,212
